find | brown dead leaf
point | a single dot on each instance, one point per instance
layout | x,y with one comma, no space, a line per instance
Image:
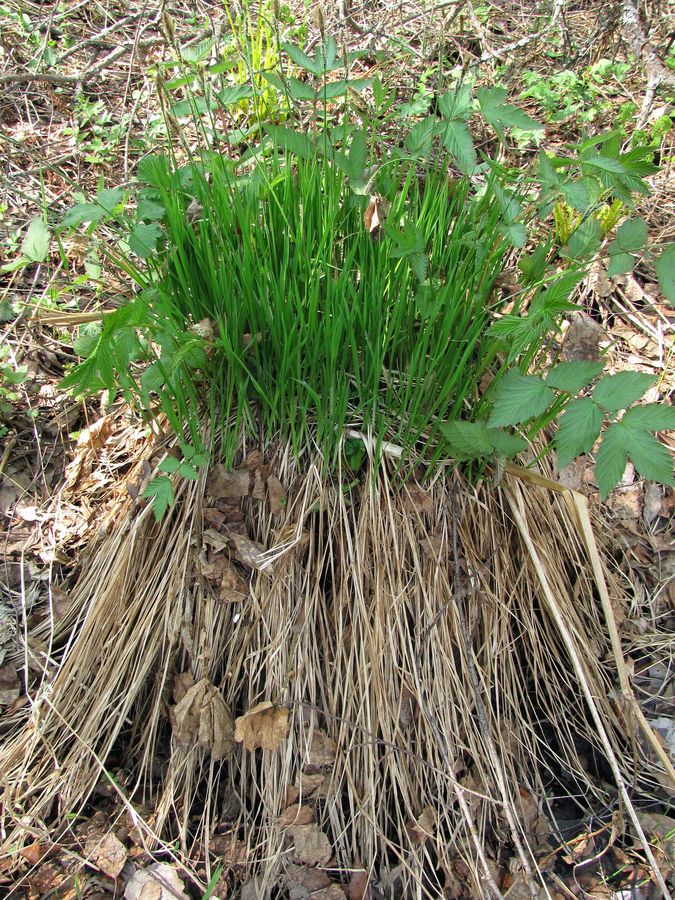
311,846
358,887
296,815
213,517
376,214
536,825
417,500
423,828
34,852
159,881
107,853
229,848
582,339
332,892
304,787
10,686
276,495
250,553
322,751
47,878
181,685
303,882
409,709
233,485
97,433
264,725
217,569
202,714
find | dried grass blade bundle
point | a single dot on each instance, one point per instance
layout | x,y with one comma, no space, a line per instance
422,687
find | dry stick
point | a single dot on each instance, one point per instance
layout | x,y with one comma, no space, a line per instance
657,73
480,708
516,503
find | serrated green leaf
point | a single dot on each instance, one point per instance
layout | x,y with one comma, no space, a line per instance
615,392
35,244
419,263
143,239
110,198
334,89
575,375
503,115
506,445
188,471
533,265
457,139
631,236
83,212
291,141
665,272
578,430
585,240
160,490
300,90
183,109
419,141
150,210
170,465
603,164
468,440
610,460
234,94
576,193
619,263
300,58
519,398
456,104
515,233
650,417
87,339
650,457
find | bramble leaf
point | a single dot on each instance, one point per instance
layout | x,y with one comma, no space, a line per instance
518,398
160,490
615,392
610,460
651,458
457,140
468,440
575,375
650,417
578,430
143,239
506,445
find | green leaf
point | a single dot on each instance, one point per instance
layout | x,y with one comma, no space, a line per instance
419,263
665,272
651,458
456,104
170,465
515,233
533,266
143,239
630,237
503,115
302,59
234,94
83,212
650,417
506,445
110,199
334,89
573,376
35,244
150,210
420,138
585,240
576,193
188,471
578,430
615,392
291,141
519,398
87,339
610,460
195,106
457,140
468,440
620,263
160,490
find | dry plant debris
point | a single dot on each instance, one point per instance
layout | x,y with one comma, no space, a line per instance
264,726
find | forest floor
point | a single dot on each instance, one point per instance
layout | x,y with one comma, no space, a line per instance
79,111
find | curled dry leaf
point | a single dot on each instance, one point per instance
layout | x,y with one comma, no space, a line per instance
218,570
409,708
203,714
322,751
250,553
230,849
264,725
107,853
423,828
10,686
311,846
303,881
582,338
276,495
159,881
233,485
358,889
417,500
375,214
297,815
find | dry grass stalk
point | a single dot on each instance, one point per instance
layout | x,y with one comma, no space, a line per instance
366,628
